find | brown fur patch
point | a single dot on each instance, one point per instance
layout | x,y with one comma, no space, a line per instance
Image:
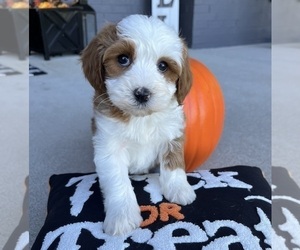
184,82
96,73
174,157
110,58
92,57
103,105
173,72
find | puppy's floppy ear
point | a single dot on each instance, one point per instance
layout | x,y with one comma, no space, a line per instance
184,82
92,57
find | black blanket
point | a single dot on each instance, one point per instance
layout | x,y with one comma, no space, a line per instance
232,211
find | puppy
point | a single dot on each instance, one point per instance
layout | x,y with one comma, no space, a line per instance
140,72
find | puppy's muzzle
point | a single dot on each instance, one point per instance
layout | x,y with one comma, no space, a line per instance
142,95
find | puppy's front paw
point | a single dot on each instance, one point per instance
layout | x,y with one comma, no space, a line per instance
176,188
182,194
122,221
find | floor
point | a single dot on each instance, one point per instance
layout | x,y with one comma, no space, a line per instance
285,108
14,141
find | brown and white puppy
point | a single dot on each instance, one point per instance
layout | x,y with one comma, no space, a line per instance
140,72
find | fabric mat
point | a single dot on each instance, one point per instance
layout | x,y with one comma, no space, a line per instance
232,211
285,210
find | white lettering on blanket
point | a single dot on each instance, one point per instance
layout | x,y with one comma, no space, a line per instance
292,226
206,180
82,192
225,179
162,238
204,233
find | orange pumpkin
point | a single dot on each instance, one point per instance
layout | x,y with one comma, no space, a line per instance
204,110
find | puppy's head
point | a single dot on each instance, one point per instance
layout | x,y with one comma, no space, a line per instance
139,66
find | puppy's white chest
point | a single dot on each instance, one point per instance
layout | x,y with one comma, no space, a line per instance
142,139
156,128
148,136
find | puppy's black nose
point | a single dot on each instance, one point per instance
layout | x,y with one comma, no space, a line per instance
142,95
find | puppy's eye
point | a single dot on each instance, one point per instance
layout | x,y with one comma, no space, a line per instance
124,60
162,66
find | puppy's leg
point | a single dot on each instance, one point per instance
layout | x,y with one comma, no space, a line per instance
173,179
122,210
